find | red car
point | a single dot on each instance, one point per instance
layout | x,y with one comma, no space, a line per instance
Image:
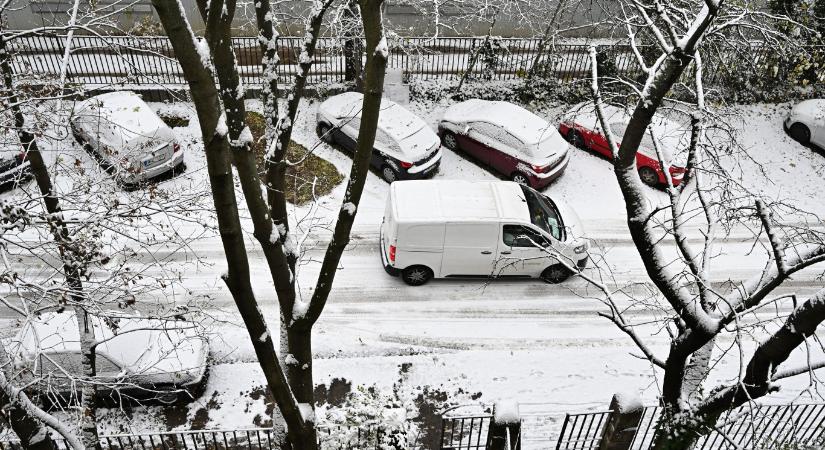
584,131
508,138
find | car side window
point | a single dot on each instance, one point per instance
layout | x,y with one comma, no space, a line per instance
484,128
105,366
354,122
60,365
521,236
381,137
509,140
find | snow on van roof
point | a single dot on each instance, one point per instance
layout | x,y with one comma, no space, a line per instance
523,124
426,200
393,119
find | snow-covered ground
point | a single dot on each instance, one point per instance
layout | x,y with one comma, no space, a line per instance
539,344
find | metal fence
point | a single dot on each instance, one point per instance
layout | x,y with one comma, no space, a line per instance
339,438
148,61
464,433
748,428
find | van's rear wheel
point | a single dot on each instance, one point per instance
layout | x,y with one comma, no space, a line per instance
416,275
556,274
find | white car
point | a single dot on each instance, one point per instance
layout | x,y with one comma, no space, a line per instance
405,147
508,138
806,122
490,229
127,136
137,357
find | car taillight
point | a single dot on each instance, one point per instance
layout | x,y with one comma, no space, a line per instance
175,147
406,165
540,168
21,157
392,253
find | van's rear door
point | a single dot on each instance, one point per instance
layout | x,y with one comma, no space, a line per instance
470,249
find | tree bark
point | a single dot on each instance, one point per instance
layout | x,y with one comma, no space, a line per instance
198,74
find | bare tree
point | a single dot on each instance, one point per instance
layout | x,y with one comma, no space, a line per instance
77,248
697,313
227,143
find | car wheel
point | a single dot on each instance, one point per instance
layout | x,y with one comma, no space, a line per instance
575,138
388,174
800,133
648,176
521,179
416,275
325,133
556,274
449,140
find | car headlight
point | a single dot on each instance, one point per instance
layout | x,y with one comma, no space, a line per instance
580,248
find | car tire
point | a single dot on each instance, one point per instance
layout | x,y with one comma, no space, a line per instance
449,140
800,133
325,133
575,138
556,274
388,174
648,176
416,275
522,179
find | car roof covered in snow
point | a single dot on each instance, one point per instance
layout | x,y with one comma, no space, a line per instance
120,118
393,119
142,344
458,200
523,124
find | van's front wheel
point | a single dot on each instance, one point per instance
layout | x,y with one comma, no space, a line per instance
555,274
416,275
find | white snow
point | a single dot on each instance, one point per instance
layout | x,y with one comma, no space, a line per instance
264,336
382,49
290,360
349,208
221,129
506,411
307,412
299,310
626,402
245,138
203,51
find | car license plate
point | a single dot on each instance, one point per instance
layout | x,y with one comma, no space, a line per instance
150,161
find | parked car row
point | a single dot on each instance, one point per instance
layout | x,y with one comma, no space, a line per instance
510,140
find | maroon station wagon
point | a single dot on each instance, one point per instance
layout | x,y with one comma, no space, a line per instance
507,138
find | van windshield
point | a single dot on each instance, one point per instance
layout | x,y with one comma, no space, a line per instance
543,213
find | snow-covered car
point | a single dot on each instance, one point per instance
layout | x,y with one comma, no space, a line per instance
135,357
806,122
14,167
127,136
405,147
459,228
582,128
508,138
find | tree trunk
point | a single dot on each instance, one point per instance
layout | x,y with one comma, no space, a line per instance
32,433
68,253
353,64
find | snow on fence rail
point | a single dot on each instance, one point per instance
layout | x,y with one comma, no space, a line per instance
747,428
338,438
98,61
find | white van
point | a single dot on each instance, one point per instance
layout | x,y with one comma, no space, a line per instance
456,228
